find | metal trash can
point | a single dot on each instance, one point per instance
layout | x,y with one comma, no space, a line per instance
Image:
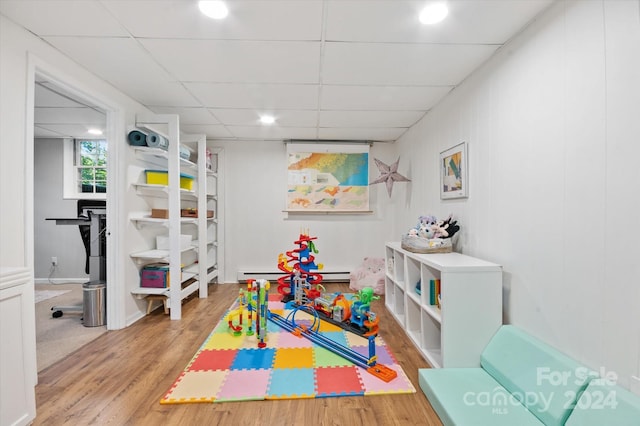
94,303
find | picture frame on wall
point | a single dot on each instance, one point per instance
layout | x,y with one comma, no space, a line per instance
454,172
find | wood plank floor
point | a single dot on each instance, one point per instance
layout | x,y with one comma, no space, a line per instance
119,379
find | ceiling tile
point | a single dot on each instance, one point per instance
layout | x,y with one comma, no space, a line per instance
380,134
188,115
161,93
250,117
117,60
49,95
212,131
247,20
63,17
258,96
228,61
374,119
401,64
67,130
469,21
42,132
273,132
69,115
374,98
125,64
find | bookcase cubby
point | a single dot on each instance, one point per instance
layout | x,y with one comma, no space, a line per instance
455,331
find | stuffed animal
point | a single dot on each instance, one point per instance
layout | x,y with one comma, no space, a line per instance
450,226
425,231
370,274
429,227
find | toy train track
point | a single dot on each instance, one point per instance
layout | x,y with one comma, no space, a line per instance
381,371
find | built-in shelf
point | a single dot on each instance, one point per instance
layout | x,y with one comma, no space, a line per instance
203,250
160,157
162,191
155,254
152,221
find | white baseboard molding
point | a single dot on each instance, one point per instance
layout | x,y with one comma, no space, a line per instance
136,316
272,276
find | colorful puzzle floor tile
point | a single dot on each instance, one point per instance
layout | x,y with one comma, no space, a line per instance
232,368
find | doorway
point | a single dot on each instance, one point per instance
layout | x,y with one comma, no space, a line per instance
71,162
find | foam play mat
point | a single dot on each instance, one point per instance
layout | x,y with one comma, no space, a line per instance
230,367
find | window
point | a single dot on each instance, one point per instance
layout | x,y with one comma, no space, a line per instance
85,168
91,165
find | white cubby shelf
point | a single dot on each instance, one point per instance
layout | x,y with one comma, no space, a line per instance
455,333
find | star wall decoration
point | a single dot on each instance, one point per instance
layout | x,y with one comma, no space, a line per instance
389,175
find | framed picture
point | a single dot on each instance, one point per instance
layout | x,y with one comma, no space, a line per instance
454,174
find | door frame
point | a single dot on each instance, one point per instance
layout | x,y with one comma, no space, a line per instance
115,299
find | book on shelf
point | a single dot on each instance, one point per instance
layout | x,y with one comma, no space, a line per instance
434,292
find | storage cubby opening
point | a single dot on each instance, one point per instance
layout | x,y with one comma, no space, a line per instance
429,276
399,267
389,294
414,325
413,275
431,339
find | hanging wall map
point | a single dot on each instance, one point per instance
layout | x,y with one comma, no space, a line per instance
328,181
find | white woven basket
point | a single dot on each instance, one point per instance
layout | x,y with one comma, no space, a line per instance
417,244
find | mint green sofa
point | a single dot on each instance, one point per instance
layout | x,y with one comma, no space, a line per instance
523,381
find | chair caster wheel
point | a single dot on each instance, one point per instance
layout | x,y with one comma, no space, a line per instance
57,314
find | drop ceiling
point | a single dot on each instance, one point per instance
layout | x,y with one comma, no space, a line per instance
326,69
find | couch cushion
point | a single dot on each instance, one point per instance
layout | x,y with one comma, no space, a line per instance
547,381
470,396
604,403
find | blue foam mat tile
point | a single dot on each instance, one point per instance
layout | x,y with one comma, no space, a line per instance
292,382
248,359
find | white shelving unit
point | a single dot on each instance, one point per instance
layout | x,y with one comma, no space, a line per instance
212,236
189,268
456,333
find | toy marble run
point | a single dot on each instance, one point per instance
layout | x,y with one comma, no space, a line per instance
254,300
303,265
301,287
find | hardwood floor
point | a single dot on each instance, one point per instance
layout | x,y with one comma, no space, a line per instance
120,378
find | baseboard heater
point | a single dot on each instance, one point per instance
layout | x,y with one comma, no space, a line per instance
327,276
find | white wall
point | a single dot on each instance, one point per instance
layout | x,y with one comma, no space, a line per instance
553,132
61,241
257,230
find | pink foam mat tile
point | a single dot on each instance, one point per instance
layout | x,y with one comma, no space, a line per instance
289,340
373,385
245,385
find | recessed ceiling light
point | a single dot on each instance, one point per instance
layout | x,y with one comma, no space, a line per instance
267,119
95,131
434,13
214,9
